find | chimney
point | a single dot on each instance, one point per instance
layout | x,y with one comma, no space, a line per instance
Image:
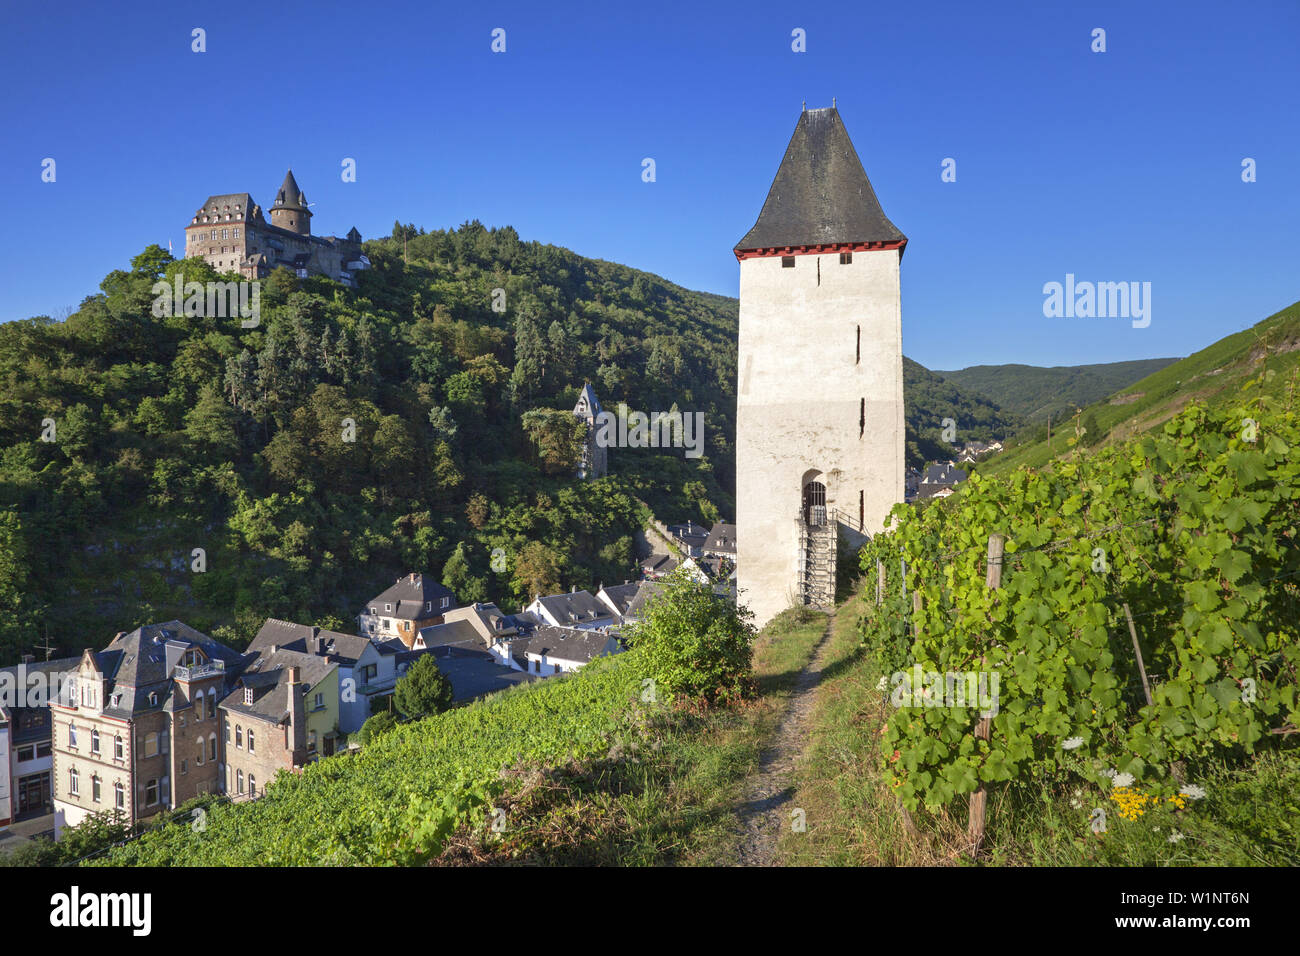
320,645
297,718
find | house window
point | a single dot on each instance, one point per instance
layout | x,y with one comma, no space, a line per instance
311,741
250,740
428,605
787,262
151,745
239,781
199,758
118,749
388,607
252,785
320,702
74,782
236,235
225,233
151,793
198,706
94,741
119,795
846,258
239,737
94,788
214,235
248,696
212,747
26,753
153,700
373,611
212,703
446,602
185,767
72,736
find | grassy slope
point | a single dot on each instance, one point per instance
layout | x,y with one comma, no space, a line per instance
1034,391
674,798
1213,374
1249,816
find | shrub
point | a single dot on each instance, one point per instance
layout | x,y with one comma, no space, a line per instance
696,643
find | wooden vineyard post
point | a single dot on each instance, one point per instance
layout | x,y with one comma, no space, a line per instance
1137,649
984,728
916,609
880,582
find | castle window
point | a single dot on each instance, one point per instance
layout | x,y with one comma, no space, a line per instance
846,258
787,262
862,510
858,357
236,232
862,419
214,235
225,233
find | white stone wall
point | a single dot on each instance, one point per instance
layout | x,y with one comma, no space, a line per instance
802,381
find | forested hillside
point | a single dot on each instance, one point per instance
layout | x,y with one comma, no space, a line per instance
929,399
172,434
352,435
1035,392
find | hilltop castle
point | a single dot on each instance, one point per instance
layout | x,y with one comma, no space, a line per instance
231,233
819,407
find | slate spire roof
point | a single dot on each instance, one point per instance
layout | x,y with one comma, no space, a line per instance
290,196
821,194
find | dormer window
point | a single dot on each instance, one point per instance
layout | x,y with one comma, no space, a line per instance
153,699
388,607
446,602
248,696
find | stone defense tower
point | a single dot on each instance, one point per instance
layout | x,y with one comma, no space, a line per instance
289,211
819,417
595,460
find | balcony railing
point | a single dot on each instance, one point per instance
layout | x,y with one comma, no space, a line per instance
210,669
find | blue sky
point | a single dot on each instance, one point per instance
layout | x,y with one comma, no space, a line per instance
1115,166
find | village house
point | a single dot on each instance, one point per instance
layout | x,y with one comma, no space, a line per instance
267,720
578,609
473,625
658,565
367,668
721,542
26,741
138,731
690,537
550,650
413,602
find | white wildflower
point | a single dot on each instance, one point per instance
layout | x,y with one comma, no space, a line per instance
1193,791
1122,780
882,684
1072,743
1175,837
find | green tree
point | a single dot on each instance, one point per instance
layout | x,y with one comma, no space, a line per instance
375,727
423,690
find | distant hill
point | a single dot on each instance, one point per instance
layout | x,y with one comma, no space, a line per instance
1035,392
1214,375
929,399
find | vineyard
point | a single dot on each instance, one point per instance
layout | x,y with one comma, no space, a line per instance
1134,613
400,798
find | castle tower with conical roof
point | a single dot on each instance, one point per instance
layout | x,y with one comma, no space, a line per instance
289,211
819,417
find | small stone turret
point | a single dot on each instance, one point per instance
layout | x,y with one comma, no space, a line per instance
289,211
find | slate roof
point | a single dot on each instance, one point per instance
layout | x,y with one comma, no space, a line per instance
576,607
647,591
268,677
290,196
566,644
944,473
721,539
224,203
451,632
659,564
409,596
821,193
142,662
588,403
620,595
343,648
